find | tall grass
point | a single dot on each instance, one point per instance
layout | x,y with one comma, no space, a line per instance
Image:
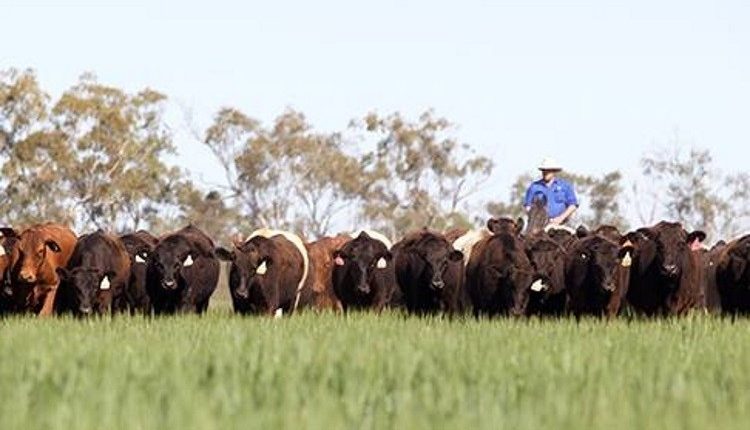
369,371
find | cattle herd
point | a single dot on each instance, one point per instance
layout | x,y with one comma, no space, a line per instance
502,269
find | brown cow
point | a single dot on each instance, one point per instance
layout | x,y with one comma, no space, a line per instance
40,250
499,274
665,277
321,271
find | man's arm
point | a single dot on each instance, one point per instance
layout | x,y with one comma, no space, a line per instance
570,210
571,200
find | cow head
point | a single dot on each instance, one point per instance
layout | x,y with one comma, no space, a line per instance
359,262
547,261
735,264
598,261
505,225
87,290
251,263
168,264
437,255
665,247
30,255
509,272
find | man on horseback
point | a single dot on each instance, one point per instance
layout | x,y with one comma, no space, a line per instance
558,193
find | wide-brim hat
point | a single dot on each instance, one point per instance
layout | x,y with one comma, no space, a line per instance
549,164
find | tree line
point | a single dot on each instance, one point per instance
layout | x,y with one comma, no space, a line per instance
95,157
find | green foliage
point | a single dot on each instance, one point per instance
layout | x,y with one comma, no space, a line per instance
417,175
370,371
286,176
695,192
93,158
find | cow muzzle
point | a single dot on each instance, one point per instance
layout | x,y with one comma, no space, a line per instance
670,270
437,284
363,288
85,310
27,277
169,284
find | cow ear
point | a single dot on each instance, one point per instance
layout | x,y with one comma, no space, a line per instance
262,268
188,261
696,237
8,232
625,255
2,250
51,244
582,231
492,225
520,224
456,256
106,283
339,259
384,259
225,254
141,256
62,272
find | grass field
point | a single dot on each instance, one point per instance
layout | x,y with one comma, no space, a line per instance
368,371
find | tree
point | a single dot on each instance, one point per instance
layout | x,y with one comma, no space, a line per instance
114,170
29,152
695,192
287,176
417,175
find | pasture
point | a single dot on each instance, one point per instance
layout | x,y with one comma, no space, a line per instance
373,371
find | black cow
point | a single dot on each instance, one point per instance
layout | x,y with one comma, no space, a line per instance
8,240
430,273
733,276
597,271
547,290
182,272
139,246
363,274
268,274
666,275
94,280
563,236
499,273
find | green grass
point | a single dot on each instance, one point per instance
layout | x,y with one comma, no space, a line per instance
368,371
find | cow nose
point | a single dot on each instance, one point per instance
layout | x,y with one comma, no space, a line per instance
671,269
85,310
363,288
438,284
27,277
169,284
242,293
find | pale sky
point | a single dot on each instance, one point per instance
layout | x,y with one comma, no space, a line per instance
592,83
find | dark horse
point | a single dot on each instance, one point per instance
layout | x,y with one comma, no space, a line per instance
538,217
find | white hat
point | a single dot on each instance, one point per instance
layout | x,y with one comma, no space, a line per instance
549,164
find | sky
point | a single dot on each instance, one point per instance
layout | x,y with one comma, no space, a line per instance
594,84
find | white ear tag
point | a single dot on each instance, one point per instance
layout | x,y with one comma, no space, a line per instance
538,285
104,285
188,261
139,259
382,264
2,250
279,313
627,260
262,269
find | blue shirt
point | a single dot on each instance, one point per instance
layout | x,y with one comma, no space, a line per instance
558,195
